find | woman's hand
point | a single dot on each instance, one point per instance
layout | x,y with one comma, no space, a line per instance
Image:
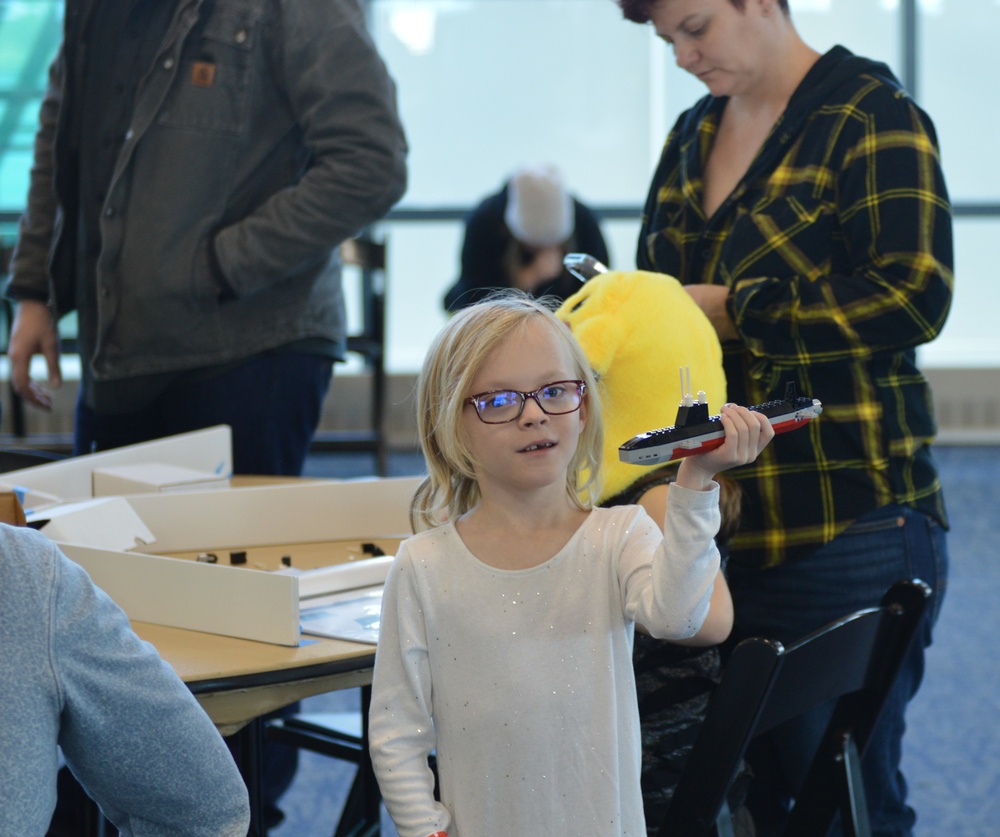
747,434
711,299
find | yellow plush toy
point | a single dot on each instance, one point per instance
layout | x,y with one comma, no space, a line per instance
638,329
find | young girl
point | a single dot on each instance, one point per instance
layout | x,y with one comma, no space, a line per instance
507,627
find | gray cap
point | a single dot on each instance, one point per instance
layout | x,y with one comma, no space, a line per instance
539,209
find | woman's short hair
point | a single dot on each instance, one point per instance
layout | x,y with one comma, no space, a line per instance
640,11
454,359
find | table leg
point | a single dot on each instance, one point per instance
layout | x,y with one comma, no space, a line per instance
246,746
361,816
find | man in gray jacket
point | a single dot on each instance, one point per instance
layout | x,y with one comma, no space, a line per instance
197,165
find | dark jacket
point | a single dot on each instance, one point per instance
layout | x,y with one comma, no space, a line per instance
246,184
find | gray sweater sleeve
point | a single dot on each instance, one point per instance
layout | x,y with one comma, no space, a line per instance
129,729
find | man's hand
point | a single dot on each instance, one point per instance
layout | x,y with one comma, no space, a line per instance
32,333
712,300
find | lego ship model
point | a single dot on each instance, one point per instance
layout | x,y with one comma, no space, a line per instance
696,432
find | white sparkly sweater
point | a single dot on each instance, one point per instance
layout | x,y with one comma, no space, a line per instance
522,680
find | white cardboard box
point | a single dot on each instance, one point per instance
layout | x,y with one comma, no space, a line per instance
152,478
224,599
208,451
108,523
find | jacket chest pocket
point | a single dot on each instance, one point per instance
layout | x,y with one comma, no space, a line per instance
213,84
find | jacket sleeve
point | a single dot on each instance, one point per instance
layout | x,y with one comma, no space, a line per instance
30,265
871,273
401,729
131,731
344,103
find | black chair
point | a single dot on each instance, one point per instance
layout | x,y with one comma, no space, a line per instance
369,256
344,736
15,408
853,661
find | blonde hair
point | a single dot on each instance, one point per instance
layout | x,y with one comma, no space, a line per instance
452,363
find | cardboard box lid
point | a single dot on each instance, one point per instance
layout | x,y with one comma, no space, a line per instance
105,522
208,450
146,477
278,514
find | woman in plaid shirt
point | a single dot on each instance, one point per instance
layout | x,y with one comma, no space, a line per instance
802,202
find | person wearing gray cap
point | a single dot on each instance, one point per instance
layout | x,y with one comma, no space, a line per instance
517,238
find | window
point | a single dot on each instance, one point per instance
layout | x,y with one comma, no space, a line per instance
487,85
29,37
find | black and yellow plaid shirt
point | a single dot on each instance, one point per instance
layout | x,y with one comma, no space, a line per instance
837,248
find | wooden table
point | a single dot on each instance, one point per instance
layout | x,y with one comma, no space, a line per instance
239,681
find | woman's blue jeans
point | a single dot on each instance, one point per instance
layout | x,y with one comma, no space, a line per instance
787,602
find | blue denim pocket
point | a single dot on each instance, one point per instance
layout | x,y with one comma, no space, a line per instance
851,572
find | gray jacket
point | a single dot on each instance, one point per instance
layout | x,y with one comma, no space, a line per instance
76,676
247,183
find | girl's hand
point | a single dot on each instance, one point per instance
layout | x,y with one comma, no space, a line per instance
747,434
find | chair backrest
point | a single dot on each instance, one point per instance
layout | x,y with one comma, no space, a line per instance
16,408
369,257
853,661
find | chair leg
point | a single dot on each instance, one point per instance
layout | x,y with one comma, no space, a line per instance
93,821
361,816
378,419
76,814
247,745
17,413
843,793
854,804
724,822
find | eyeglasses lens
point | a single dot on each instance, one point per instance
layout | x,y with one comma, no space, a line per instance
500,406
560,397
554,399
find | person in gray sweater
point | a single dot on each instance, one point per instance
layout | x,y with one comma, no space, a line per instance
73,675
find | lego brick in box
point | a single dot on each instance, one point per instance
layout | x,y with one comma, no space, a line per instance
207,451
